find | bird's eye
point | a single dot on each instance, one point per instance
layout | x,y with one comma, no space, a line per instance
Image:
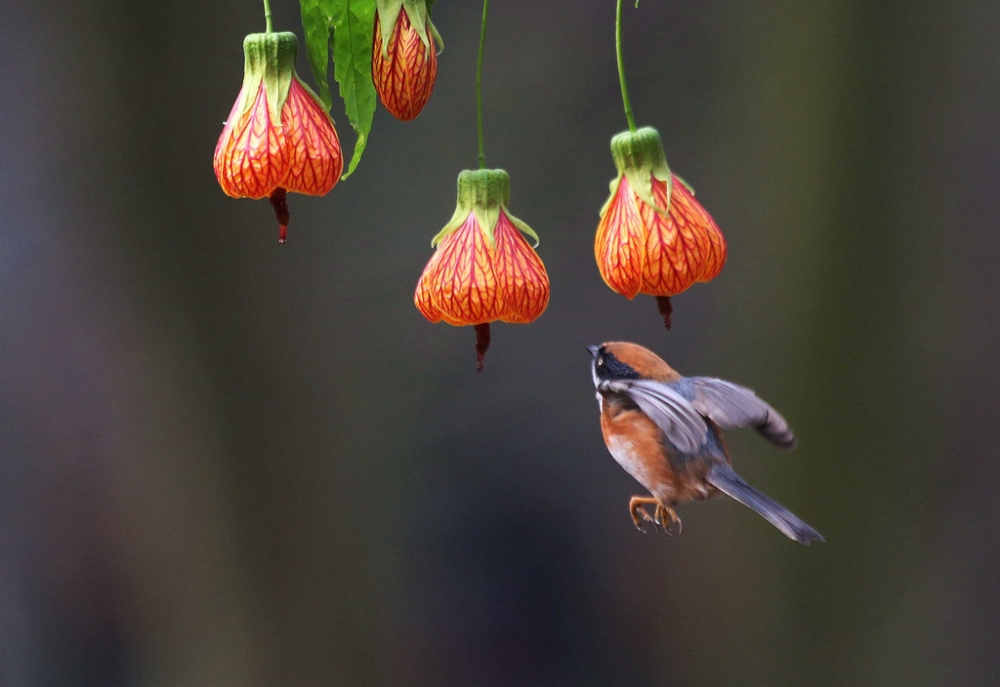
600,360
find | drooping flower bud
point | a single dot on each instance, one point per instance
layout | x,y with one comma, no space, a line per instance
404,60
654,237
483,269
278,137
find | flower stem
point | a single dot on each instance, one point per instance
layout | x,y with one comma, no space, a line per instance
479,86
621,68
269,27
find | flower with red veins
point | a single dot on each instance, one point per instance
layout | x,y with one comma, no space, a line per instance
654,237
278,137
483,269
404,61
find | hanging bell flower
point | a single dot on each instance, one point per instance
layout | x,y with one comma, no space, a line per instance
278,137
404,60
483,268
654,237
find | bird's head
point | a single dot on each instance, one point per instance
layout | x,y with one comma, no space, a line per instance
617,360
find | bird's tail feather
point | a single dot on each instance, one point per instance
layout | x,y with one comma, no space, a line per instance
728,482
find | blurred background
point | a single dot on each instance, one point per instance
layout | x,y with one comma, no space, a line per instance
229,462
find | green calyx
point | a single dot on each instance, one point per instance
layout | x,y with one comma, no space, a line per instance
416,12
639,157
269,59
483,192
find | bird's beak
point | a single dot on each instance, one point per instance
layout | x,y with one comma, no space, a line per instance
594,350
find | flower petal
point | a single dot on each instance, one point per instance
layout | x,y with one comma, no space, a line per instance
523,281
251,158
461,280
422,296
315,159
674,244
716,254
619,245
404,76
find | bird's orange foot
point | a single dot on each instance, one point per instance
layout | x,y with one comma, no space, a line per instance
664,518
640,516
667,519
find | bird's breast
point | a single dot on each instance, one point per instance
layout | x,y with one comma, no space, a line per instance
640,447
636,443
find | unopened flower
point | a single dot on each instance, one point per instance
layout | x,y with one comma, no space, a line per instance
483,269
278,137
654,237
404,60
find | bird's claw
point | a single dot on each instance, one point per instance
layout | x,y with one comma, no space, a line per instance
663,520
642,520
666,519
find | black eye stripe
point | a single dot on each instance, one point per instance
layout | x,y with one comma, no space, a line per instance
612,368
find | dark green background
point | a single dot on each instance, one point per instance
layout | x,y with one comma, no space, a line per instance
229,462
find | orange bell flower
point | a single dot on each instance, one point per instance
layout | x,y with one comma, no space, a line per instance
483,269
654,237
404,61
278,137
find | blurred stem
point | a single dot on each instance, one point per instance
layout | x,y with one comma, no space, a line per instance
269,27
621,68
479,86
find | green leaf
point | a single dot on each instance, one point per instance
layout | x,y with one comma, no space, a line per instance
353,23
317,21
345,28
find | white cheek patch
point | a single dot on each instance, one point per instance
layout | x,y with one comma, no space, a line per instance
597,385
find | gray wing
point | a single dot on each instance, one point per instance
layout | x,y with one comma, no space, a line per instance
730,405
671,412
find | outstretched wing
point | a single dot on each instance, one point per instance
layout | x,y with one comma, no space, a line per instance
671,412
730,405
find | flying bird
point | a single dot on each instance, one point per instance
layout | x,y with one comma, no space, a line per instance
666,431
